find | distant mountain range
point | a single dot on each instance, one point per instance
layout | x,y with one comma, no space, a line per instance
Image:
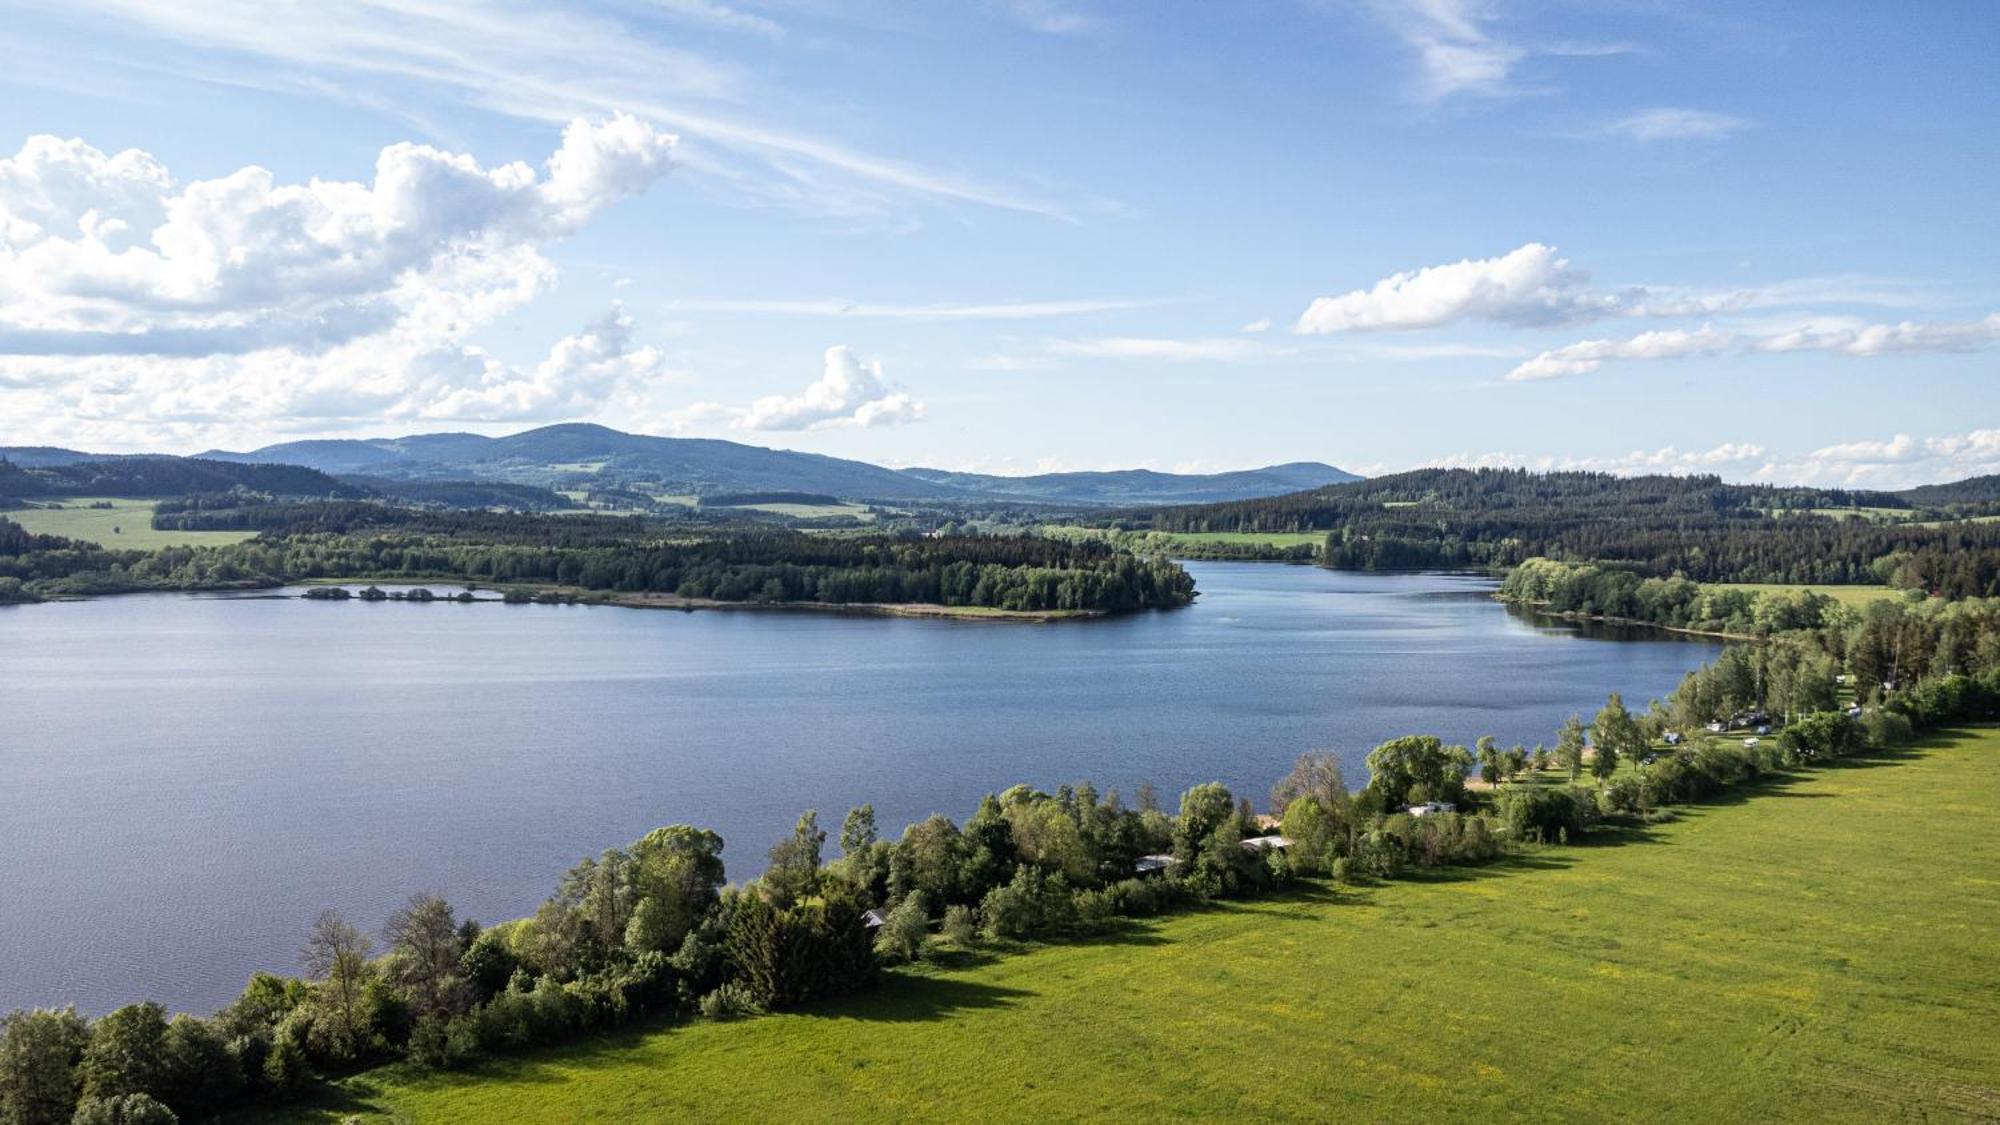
580,455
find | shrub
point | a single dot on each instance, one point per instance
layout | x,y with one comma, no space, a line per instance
285,1071
961,926
1094,909
730,1000
1885,730
901,937
1822,734
128,1109
430,1042
1543,815
488,963
1013,911
1621,795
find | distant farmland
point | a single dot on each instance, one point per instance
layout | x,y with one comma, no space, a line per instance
127,524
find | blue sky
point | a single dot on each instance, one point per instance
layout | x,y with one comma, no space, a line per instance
1756,239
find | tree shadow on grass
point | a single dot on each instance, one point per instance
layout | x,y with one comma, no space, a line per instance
908,998
356,1097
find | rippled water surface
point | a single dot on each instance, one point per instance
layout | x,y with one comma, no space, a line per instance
185,780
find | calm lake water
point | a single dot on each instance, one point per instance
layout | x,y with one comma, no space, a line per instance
186,780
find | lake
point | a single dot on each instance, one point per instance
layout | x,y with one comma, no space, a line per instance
186,780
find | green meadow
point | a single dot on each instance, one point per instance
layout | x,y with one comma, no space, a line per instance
1820,947
1247,538
126,525
1170,541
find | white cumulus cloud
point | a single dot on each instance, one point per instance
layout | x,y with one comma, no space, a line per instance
1585,357
1899,461
582,372
141,307
1528,285
108,246
1834,336
849,392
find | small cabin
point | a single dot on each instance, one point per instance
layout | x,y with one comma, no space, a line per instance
1430,807
1672,738
1267,843
1152,864
874,919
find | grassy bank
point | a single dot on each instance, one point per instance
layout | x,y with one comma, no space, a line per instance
1819,947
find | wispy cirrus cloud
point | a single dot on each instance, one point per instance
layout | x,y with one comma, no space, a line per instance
866,310
1047,16
1844,336
552,64
1456,51
1209,349
1674,123
1462,50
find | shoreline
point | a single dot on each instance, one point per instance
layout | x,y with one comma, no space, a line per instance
664,601
860,609
1629,622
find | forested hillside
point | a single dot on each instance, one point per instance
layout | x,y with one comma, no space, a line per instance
164,476
1972,490
1698,527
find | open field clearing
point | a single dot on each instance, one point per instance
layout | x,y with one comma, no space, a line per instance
127,524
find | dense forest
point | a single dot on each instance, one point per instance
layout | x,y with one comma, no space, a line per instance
165,476
619,555
463,493
1697,527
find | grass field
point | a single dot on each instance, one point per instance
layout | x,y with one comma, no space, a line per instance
1248,538
1822,949
1167,540
1855,596
132,519
1881,515
806,511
